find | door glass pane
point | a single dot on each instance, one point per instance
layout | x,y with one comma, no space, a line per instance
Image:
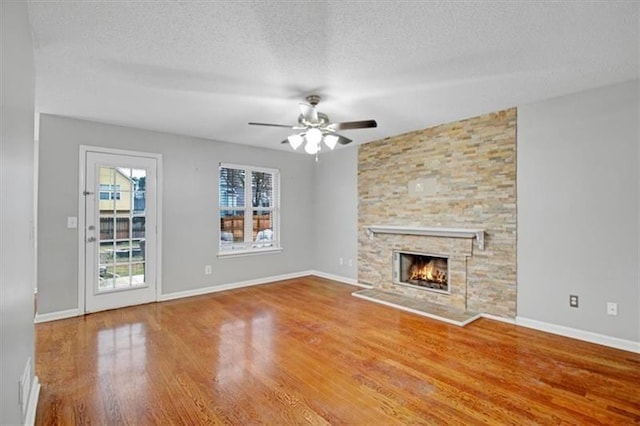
137,274
139,178
138,223
107,277
122,252
107,226
122,228
123,280
137,250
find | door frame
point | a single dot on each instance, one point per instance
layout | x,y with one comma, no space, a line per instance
82,228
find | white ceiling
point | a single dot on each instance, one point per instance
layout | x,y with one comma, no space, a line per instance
206,68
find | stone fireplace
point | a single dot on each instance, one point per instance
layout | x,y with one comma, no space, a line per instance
438,245
453,187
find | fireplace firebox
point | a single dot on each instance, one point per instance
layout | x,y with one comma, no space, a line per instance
421,270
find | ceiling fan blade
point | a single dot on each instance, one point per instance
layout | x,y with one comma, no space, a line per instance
274,125
309,112
348,125
341,139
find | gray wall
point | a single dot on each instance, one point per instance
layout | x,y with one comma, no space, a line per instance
17,255
336,206
578,210
190,221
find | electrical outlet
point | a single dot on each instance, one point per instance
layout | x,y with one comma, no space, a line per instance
341,261
573,300
207,269
350,262
612,308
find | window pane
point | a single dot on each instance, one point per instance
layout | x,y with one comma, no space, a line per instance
124,200
106,227
231,187
139,178
138,223
137,274
138,250
231,226
122,252
262,227
107,279
261,189
122,228
139,202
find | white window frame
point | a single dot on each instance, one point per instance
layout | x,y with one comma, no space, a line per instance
249,246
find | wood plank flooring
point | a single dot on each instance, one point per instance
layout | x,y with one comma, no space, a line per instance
305,351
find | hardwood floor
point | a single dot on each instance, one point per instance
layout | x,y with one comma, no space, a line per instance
305,351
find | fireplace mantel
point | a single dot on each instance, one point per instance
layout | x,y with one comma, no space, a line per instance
478,234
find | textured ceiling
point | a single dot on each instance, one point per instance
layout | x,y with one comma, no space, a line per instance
206,68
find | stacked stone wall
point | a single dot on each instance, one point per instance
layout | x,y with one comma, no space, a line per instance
467,171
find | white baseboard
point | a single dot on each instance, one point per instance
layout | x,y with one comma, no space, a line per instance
32,405
497,318
339,278
53,316
587,336
231,286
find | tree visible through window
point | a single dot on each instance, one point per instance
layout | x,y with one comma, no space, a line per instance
248,208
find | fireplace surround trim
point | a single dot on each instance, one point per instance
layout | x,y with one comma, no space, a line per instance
478,234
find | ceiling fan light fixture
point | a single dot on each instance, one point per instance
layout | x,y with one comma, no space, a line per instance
331,141
311,148
295,141
315,128
314,136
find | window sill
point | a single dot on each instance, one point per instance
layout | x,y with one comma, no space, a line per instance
238,253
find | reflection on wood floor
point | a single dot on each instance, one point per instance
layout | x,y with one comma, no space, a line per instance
304,351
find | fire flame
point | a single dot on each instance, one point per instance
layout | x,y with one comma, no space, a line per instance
427,271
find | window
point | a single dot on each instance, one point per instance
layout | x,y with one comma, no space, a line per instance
109,192
249,209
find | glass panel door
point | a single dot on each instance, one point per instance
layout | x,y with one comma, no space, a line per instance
119,252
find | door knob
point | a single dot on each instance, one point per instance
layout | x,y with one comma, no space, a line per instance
91,239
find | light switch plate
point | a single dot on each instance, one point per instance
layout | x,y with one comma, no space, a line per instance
72,222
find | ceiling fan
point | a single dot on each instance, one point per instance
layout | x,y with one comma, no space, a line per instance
315,128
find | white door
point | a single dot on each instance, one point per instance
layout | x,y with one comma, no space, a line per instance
120,230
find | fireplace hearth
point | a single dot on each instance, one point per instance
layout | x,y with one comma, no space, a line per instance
421,270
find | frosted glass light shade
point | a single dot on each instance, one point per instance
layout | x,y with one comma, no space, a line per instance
311,148
295,141
331,141
313,136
